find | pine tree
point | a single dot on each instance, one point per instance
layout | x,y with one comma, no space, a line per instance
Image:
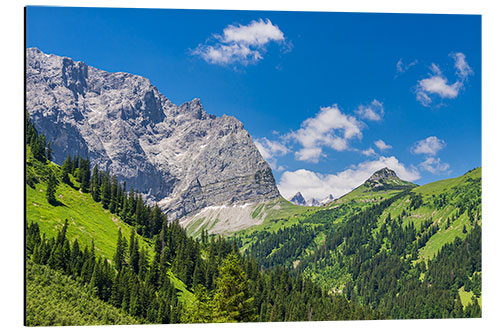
134,252
51,189
105,191
66,170
113,205
95,186
120,251
201,310
49,152
84,174
232,300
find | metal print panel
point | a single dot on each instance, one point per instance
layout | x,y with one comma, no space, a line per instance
195,166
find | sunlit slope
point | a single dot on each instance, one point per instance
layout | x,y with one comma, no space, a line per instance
451,204
87,220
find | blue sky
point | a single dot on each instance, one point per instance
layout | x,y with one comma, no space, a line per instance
328,97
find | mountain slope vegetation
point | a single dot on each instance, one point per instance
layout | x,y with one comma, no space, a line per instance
154,272
376,245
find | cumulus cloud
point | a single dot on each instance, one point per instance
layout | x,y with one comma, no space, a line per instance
429,146
373,111
382,145
434,165
316,185
369,152
328,128
437,84
244,44
269,149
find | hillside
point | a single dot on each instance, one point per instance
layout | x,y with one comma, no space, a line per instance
55,299
88,221
163,276
396,226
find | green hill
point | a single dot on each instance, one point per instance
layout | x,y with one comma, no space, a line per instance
55,299
88,221
385,221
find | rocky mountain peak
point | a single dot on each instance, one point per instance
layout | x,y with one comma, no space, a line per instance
178,156
381,175
298,199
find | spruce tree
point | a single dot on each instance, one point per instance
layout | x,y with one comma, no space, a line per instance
49,152
95,186
105,191
66,170
51,189
120,251
232,299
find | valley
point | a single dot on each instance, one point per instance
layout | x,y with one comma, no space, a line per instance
159,213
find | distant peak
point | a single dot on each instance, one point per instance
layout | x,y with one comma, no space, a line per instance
382,174
298,199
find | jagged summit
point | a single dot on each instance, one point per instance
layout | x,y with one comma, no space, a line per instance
180,157
382,175
327,200
298,199
386,178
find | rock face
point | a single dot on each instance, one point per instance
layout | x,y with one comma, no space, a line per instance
327,200
386,179
298,199
178,156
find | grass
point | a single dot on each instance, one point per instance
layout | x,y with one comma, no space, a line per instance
55,299
87,220
466,297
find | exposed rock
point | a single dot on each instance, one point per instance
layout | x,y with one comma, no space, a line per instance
178,156
386,178
298,199
313,202
327,200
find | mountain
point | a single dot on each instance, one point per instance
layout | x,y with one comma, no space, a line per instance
382,184
384,243
313,202
298,199
327,200
385,179
180,157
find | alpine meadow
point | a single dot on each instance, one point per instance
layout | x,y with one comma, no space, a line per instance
194,166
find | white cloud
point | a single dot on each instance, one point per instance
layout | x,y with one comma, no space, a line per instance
269,149
401,67
463,68
369,152
437,84
316,185
429,146
373,111
382,145
434,165
328,128
242,44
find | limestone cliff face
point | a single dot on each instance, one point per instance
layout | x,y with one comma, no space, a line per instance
178,156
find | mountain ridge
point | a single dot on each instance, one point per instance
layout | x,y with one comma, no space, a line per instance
180,157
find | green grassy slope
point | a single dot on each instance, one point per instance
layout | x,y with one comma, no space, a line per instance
55,299
457,200
443,200
289,215
87,220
